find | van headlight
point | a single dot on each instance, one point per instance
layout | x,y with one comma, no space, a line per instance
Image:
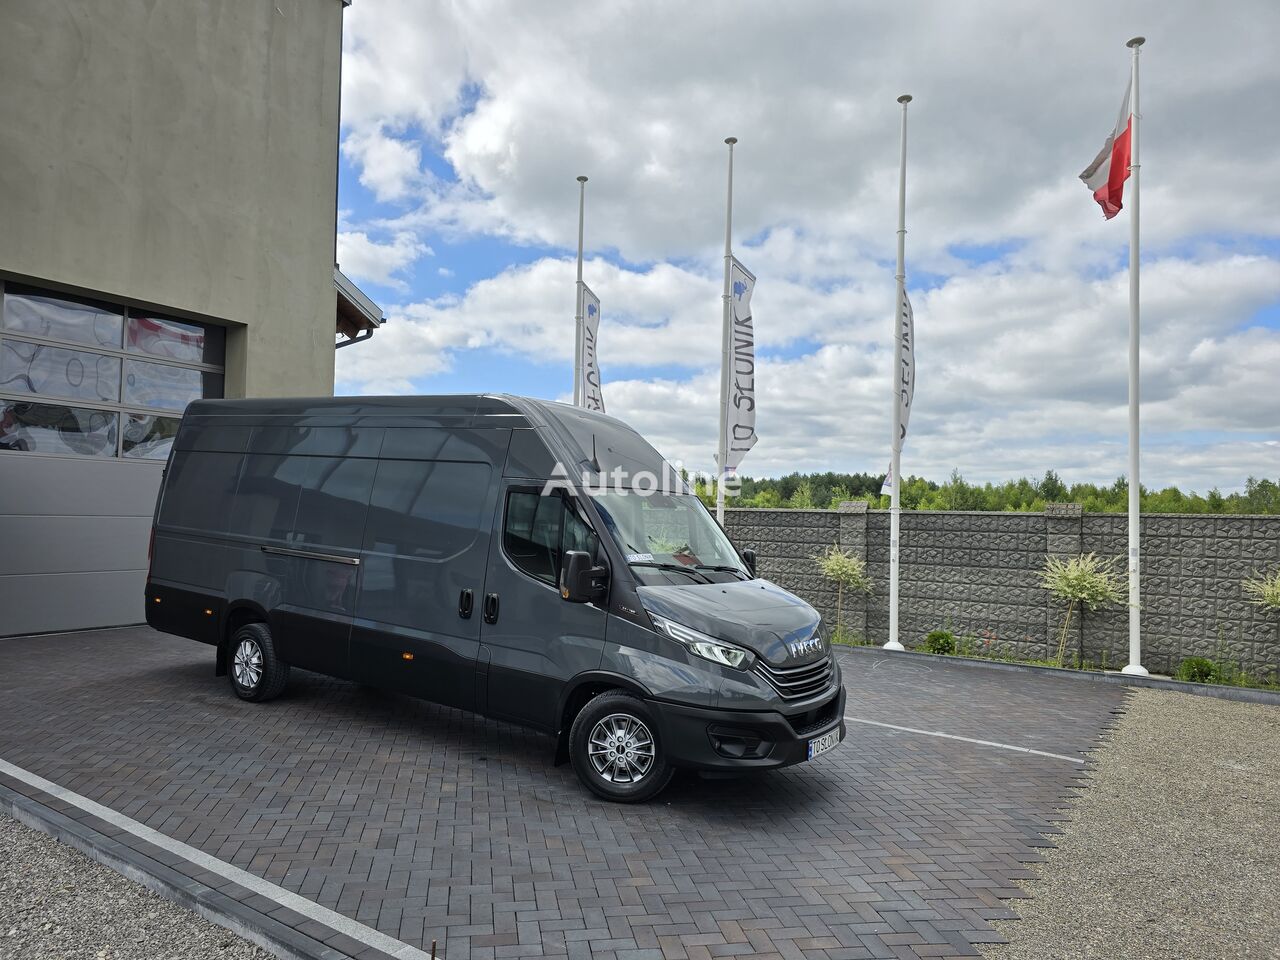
701,645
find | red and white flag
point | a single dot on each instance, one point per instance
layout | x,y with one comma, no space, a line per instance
1110,169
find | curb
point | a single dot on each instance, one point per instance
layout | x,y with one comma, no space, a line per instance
271,935
1216,691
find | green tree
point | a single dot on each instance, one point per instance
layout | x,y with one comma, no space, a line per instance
1261,496
802,498
839,494
1052,489
828,490
766,499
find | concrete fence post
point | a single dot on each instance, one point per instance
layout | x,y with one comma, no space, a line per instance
852,534
1064,537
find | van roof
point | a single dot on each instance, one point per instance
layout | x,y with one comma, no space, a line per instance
581,440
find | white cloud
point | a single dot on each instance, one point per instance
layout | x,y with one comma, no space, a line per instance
1022,359
1008,363
1001,124
389,167
364,259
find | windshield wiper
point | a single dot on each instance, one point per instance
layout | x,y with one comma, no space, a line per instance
691,571
722,568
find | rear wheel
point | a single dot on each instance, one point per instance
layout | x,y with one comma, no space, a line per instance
615,749
257,674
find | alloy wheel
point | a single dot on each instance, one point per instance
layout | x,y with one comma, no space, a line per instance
247,663
621,748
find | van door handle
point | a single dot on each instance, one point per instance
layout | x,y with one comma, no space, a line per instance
490,608
466,601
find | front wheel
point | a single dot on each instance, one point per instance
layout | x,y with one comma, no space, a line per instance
615,749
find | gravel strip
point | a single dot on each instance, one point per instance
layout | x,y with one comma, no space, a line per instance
1173,850
56,902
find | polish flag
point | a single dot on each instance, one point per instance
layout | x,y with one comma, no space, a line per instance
1110,169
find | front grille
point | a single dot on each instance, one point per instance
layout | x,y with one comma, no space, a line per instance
798,683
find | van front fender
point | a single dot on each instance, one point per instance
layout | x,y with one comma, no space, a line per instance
580,690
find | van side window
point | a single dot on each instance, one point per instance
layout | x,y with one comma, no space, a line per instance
333,501
578,534
200,490
426,510
266,503
539,529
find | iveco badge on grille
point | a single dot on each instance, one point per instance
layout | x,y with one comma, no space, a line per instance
798,648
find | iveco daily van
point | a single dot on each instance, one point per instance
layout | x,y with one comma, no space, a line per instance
526,560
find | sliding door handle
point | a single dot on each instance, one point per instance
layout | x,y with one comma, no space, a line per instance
466,601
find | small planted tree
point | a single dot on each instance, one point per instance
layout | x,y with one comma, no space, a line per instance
848,572
1263,590
1086,581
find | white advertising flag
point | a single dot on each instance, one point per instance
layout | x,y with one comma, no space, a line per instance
589,310
742,379
906,378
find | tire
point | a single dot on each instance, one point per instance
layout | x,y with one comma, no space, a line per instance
615,749
257,674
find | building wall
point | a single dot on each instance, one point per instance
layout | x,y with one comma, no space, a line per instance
183,156
174,156
977,574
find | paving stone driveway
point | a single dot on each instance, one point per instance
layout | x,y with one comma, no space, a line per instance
428,823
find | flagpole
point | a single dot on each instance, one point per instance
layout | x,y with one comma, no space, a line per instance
722,456
1134,665
579,391
895,465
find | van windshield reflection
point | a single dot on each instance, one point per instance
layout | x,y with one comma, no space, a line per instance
668,537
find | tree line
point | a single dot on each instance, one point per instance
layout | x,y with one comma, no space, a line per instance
825,491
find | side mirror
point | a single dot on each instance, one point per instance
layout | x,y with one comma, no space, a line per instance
580,582
749,557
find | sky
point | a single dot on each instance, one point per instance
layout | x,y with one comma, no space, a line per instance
465,125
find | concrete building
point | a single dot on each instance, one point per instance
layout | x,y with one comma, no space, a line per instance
168,201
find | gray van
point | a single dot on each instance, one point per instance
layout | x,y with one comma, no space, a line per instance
498,554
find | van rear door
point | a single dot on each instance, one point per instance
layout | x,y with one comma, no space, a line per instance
422,574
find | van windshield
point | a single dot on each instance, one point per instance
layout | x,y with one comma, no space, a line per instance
668,538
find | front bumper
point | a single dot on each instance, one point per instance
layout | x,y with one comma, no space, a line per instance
698,738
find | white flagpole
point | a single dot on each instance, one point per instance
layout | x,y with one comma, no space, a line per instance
1135,486
725,344
579,388
895,498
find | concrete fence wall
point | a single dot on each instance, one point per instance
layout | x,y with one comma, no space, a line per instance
976,574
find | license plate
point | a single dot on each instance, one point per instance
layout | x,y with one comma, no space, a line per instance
824,743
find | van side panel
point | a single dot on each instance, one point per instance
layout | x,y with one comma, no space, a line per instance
270,517
425,545
295,527
190,555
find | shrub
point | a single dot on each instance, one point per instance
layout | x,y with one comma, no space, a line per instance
1087,580
846,570
1263,590
1199,670
940,641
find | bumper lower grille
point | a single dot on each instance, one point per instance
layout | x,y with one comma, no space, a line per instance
814,720
798,683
